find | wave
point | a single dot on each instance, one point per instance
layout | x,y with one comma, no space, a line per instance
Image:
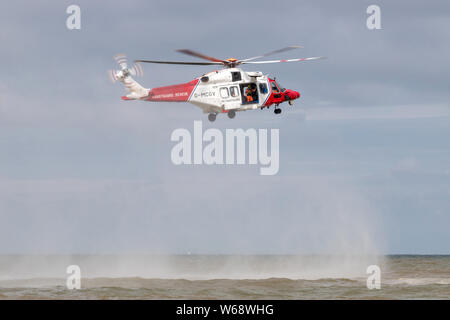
138,282
418,281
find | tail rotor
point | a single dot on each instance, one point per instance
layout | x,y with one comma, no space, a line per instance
121,59
112,75
137,70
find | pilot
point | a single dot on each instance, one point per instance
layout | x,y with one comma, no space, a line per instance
251,93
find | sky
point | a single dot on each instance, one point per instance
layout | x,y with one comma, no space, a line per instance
364,153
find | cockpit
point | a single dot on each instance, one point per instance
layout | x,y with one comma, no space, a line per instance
276,88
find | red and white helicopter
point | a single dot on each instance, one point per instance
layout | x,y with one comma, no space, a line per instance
227,90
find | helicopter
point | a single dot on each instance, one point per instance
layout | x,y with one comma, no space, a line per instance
227,90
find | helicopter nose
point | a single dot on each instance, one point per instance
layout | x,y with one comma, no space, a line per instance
294,94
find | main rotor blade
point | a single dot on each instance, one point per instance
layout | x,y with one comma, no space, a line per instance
200,55
273,52
289,60
181,62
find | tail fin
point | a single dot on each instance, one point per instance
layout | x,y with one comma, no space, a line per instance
136,91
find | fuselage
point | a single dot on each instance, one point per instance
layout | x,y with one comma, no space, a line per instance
225,90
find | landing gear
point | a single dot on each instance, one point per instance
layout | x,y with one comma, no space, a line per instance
212,117
231,114
277,110
291,103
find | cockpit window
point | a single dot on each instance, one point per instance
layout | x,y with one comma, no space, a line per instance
263,88
274,87
281,87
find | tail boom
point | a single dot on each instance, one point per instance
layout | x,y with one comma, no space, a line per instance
174,93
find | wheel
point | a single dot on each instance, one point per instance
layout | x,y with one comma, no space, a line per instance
212,117
291,103
231,114
277,111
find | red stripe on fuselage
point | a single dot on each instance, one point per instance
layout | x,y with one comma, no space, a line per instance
177,92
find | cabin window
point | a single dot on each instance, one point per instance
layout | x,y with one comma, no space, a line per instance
234,92
249,93
236,76
224,92
274,87
263,88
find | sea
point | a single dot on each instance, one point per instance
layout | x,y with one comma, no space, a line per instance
190,276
